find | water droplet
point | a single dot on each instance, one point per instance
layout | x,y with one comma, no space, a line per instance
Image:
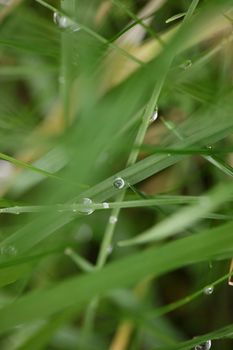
106,205
110,249
86,210
208,290
187,64
204,346
154,115
75,28
8,251
113,219
74,209
119,183
17,212
64,22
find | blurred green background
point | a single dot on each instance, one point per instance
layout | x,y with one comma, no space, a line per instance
75,89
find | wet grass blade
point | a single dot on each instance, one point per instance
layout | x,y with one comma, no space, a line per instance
77,291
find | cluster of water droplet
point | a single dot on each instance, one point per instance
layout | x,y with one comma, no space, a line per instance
64,22
187,64
204,346
8,251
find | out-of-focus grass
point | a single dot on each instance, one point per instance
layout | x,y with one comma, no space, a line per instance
77,106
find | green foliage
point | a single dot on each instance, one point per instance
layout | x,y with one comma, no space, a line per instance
79,104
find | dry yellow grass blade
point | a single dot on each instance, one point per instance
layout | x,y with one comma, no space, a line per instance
118,68
123,333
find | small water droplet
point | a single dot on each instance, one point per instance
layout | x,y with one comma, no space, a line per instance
208,290
76,28
119,183
113,219
17,212
204,346
110,249
106,205
187,64
74,210
169,154
154,115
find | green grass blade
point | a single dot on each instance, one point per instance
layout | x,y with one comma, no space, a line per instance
76,292
184,218
222,333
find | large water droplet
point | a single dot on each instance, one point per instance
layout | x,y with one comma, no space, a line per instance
208,290
204,346
154,115
64,22
119,183
87,209
87,203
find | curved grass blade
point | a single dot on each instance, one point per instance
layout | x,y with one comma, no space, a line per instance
76,292
184,218
222,333
95,35
138,20
22,164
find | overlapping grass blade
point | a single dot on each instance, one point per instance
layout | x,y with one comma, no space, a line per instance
185,217
76,292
